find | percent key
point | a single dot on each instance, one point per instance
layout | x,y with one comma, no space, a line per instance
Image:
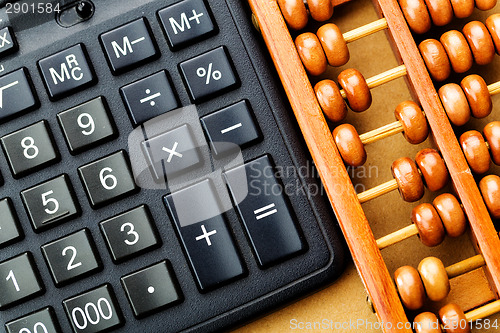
209,74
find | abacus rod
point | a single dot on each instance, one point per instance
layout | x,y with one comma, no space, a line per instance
397,236
494,88
365,30
383,78
381,132
378,190
484,311
465,266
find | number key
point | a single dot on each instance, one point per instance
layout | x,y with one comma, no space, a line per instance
10,230
42,321
29,149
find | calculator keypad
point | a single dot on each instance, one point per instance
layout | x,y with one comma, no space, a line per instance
10,231
43,321
8,42
13,85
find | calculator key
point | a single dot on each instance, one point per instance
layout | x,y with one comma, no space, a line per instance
50,203
94,311
30,149
42,321
17,94
129,46
186,22
19,280
10,231
107,179
231,126
71,257
67,72
130,234
208,74
87,125
8,43
149,97
151,289
265,212
204,235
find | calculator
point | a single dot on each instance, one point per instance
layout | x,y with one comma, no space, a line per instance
153,178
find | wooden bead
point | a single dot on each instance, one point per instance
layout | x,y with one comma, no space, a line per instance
455,103
427,322
435,278
480,42
440,10
478,96
411,117
475,151
294,12
493,25
433,169
435,58
410,287
453,318
458,50
490,189
330,100
349,145
429,225
451,214
462,8
416,15
356,89
485,4
491,133
311,53
334,44
321,10
410,184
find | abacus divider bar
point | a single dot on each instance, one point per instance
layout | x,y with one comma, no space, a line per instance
397,236
494,88
382,78
465,266
483,311
365,30
377,191
381,132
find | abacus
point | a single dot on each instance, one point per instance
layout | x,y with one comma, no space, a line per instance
437,109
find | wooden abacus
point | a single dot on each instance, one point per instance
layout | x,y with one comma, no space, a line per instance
436,111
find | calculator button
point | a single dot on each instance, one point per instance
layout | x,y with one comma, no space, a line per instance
149,97
67,72
94,311
130,234
29,149
16,94
204,235
87,125
10,231
19,280
8,43
233,125
266,214
208,74
43,321
50,203
129,46
71,257
107,179
172,152
186,22
151,289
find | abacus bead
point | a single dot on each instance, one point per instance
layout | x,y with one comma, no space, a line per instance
410,183
493,25
491,133
330,100
480,42
451,213
490,189
455,103
462,8
427,322
436,59
433,169
485,4
458,50
321,10
429,225
478,96
356,89
311,53
411,117
440,10
294,12
410,287
334,44
475,151
435,278
416,15
453,318
349,145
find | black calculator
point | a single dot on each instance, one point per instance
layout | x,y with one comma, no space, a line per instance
153,178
